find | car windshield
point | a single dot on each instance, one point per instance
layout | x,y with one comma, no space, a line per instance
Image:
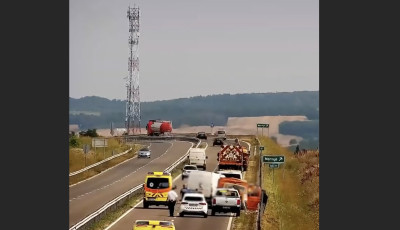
232,175
166,223
227,193
145,149
193,198
157,183
201,133
221,132
190,167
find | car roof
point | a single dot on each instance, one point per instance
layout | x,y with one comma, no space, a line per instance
230,171
194,194
144,224
230,189
201,132
190,166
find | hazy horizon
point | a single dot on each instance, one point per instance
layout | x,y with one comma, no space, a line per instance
195,48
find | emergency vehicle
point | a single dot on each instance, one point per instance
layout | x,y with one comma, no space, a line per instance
156,188
154,225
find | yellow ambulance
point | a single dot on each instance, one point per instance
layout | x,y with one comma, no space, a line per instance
153,225
156,188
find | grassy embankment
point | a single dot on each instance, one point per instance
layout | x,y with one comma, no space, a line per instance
77,157
293,190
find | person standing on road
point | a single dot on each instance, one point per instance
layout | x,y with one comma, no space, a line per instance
172,196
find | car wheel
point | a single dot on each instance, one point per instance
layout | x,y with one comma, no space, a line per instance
145,204
181,214
238,213
205,215
212,212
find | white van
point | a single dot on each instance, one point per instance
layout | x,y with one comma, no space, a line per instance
197,156
204,182
231,173
221,134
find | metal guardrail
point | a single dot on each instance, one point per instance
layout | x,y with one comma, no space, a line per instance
137,138
92,218
99,163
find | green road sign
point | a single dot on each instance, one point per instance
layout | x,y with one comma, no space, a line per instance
273,159
262,125
274,165
261,147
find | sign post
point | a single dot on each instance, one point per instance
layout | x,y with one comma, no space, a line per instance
261,148
274,162
85,150
262,126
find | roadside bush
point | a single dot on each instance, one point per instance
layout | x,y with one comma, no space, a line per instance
73,142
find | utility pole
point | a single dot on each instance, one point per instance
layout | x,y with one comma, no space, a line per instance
132,118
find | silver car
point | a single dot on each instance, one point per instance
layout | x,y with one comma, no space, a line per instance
144,152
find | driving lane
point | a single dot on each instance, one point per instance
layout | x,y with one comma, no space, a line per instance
90,195
219,222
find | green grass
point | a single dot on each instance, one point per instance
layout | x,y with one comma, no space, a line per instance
293,192
79,160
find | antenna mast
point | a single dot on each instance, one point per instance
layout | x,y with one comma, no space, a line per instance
132,119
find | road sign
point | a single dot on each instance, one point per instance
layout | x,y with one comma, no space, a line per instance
262,125
261,147
273,159
274,165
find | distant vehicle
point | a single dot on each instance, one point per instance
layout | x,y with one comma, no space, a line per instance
231,173
197,156
187,169
218,141
221,134
226,200
153,224
193,204
233,157
201,135
158,127
144,152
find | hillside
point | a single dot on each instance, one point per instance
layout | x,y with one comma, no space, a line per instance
97,112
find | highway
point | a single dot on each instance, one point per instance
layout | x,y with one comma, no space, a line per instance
90,195
221,221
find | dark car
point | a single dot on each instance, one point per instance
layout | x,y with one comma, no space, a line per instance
201,135
217,141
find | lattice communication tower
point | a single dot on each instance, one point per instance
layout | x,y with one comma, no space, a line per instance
132,119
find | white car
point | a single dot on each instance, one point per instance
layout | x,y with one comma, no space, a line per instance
193,204
144,152
187,169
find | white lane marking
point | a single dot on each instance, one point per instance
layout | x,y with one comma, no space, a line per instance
105,170
126,213
80,196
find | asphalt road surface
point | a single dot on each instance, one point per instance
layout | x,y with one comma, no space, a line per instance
90,195
219,222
